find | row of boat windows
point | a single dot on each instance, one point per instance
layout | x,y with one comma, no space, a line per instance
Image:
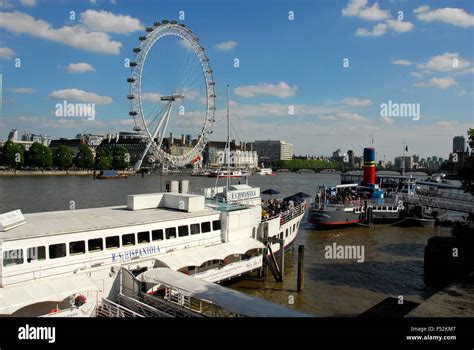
15,257
288,231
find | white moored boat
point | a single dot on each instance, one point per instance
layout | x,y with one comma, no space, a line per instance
53,260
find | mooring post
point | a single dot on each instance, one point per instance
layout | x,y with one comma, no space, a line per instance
300,278
282,259
264,264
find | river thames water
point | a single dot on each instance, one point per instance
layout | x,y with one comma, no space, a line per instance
393,264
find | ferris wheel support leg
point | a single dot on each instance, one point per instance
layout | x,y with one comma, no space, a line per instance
166,119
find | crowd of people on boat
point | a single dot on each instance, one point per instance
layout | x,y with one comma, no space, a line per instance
341,196
274,207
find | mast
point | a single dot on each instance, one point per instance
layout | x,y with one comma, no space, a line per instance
228,140
403,157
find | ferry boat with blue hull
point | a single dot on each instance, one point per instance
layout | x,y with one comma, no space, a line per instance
52,258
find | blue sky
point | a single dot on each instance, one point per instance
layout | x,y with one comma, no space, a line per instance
283,63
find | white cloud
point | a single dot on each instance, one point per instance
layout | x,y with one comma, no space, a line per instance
108,22
184,43
151,96
360,9
402,62
56,123
423,8
81,67
386,120
191,94
379,29
399,26
6,53
28,3
327,117
281,90
454,16
447,62
441,83
357,102
343,116
76,36
417,75
22,90
226,45
80,95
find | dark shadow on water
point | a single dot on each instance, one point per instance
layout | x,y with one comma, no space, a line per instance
409,250
393,278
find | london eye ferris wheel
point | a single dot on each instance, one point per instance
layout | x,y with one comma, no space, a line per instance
172,93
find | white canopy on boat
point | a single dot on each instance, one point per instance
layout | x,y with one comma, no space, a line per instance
226,298
196,256
16,297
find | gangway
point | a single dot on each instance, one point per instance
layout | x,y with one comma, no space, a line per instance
440,202
210,299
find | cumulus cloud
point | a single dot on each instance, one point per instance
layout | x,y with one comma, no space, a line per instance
454,16
447,62
151,97
6,53
378,30
108,22
226,45
359,8
81,67
386,120
75,36
399,26
282,90
440,83
80,95
402,62
28,3
357,102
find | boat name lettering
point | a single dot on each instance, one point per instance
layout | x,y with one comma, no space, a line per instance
242,194
129,254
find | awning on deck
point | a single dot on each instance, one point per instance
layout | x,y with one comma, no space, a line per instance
13,298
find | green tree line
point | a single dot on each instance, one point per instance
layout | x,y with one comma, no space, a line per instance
295,164
14,156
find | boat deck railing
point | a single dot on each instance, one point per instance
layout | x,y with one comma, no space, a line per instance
221,204
358,203
289,214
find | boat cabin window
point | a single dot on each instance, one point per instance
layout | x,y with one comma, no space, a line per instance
75,248
195,229
170,232
13,257
157,235
95,245
205,227
143,237
183,231
128,239
112,242
57,251
36,253
216,225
